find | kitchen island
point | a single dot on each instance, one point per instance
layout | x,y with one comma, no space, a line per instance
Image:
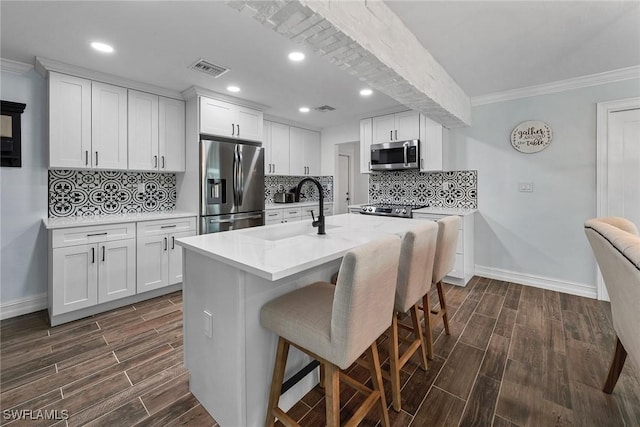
228,277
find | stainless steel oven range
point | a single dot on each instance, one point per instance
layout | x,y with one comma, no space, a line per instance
402,211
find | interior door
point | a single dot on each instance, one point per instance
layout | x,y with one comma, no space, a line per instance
344,185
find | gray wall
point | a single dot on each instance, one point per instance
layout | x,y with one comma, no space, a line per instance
23,257
538,233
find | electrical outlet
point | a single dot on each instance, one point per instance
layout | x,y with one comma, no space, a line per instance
208,324
525,187
141,187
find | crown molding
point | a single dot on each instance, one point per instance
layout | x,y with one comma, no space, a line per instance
14,66
559,86
44,65
282,121
194,91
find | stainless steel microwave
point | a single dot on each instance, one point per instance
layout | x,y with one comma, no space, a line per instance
395,155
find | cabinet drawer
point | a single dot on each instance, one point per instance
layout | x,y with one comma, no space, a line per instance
458,267
292,213
273,215
86,235
150,228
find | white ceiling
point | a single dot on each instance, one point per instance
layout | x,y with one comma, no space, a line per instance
485,46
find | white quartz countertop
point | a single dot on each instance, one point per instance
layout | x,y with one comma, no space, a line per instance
281,250
80,221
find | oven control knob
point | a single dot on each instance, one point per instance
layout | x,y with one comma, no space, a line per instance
397,210
370,209
364,208
404,211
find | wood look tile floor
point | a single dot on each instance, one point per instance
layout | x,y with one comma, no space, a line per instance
516,356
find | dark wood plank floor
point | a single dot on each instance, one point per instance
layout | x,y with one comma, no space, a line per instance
516,356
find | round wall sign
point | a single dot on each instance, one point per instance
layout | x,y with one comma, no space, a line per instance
531,136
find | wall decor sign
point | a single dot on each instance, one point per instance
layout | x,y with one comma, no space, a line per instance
531,136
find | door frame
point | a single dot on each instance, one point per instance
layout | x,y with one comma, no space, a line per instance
349,180
603,110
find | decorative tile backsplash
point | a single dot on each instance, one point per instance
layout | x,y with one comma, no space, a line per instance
78,193
282,184
425,188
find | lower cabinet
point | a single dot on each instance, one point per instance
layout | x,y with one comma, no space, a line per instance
159,258
93,265
294,213
90,266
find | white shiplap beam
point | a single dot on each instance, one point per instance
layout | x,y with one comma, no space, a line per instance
366,39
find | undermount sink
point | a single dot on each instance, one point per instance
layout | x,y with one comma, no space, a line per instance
286,231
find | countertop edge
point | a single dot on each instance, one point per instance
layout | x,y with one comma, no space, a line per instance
68,222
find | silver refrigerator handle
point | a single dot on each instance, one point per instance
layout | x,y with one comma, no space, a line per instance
234,219
240,176
235,174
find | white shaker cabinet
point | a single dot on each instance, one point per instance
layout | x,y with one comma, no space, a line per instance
276,145
230,120
108,126
396,127
366,138
432,145
159,258
156,133
171,134
90,266
143,131
87,124
304,151
69,121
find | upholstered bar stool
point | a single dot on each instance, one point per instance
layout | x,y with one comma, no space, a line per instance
448,229
336,324
415,271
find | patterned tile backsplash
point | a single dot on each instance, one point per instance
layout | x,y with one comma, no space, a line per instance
425,188
282,183
78,193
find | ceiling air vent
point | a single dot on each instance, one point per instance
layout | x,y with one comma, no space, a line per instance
208,68
324,108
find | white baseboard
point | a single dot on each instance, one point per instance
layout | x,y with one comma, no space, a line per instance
552,284
20,306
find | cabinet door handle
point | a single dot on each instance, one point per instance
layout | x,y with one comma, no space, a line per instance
103,253
369,165
390,135
86,158
96,158
155,161
396,134
173,242
274,168
233,129
238,130
93,255
162,162
421,163
97,234
168,226
165,243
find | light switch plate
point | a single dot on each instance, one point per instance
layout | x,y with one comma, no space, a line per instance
208,324
525,187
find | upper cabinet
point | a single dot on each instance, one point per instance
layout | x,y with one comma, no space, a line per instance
396,127
304,149
230,120
156,133
366,138
87,124
407,125
276,148
94,125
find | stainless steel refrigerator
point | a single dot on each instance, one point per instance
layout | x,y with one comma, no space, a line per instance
231,184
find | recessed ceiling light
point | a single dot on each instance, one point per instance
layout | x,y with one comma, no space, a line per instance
296,56
304,109
233,88
366,92
102,47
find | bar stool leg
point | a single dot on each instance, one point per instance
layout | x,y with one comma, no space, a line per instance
443,307
332,394
376,377
394,363
417,332
276,381
426,308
